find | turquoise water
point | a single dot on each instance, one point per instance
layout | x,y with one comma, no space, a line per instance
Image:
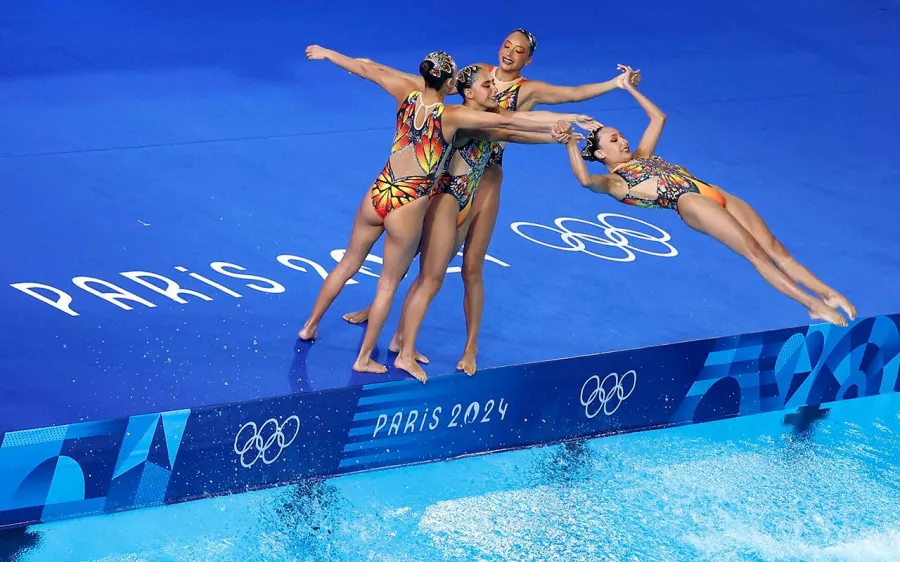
821,485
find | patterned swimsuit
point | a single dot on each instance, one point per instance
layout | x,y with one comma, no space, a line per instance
508,99
473,158
395,186
673,181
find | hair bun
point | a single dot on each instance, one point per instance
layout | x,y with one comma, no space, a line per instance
587,152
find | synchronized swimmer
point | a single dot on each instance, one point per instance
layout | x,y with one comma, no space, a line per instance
439,190
643,179
397,202
514,93
449,217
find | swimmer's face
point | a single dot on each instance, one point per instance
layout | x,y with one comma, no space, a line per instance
514,53
483,91
612,147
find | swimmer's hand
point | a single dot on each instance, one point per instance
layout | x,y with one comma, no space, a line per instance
563,133
587,123
629,78
315,52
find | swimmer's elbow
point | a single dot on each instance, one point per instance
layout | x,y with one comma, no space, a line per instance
365,71
523,124
585,181
595,184
510,122
660,118
371,70
508,136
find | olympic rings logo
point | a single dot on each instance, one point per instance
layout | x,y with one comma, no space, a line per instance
253,443
606,395
610,238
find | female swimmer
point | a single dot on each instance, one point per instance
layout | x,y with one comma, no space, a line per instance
640,178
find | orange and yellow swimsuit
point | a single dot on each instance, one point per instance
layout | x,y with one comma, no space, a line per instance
399,184
673,181
507,98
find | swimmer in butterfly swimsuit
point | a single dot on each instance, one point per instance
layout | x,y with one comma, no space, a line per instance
640,178
449,216
519,94
400,196
447,219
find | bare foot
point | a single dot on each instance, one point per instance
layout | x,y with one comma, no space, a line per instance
308,332
821,311
837,300
397,343
467,363
357,317
411,367
369,366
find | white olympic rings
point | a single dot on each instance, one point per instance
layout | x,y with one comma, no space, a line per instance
255,444
597,395
612,237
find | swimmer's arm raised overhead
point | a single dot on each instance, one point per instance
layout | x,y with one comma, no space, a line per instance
654,130
397,86
594,182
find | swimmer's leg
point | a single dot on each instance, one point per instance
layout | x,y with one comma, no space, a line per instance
404,228
484,212
467,362
708,217
397,341
461,231
752,222
361,316
367,228
439,240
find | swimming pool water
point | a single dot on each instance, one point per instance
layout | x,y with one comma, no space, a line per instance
821,484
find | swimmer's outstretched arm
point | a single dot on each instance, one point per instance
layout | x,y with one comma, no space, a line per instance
586,122
651,135
470,121
417,80
397,86
535,92
594,182
517,137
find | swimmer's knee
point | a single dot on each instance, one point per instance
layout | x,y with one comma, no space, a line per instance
387,285
472,271
431,285
755,252
348,266
777,251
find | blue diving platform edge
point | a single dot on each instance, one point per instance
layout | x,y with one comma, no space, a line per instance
110,465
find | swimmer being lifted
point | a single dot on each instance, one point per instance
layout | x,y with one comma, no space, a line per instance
640,178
